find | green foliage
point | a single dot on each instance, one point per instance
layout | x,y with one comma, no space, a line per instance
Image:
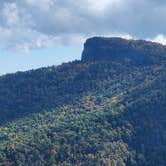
93,113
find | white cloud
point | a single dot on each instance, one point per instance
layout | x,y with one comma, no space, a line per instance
10,14
101,5
160,39
43,4
29,24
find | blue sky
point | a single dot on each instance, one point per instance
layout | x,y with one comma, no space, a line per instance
34,34
18,61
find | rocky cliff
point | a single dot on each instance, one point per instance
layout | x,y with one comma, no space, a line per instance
139,52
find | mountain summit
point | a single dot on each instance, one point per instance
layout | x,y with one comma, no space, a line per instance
109,109
139,52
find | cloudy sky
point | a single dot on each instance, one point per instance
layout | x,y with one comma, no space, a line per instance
37,33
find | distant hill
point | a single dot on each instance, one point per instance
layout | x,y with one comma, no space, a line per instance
109,109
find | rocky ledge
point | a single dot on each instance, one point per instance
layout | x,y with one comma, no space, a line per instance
138,52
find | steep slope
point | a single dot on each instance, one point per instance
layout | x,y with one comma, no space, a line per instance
137,52
90,112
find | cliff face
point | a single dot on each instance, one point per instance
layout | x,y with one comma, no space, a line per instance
138,52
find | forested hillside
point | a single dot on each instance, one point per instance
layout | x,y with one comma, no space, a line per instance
93,112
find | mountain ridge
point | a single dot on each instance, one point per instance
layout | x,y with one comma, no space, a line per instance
89,112
137,52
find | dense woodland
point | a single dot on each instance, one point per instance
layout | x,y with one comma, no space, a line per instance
100,113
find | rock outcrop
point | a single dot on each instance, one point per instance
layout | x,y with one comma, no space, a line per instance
138,52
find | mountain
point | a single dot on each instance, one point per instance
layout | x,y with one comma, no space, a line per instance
137,52
107,109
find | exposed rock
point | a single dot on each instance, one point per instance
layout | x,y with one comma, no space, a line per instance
138,52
